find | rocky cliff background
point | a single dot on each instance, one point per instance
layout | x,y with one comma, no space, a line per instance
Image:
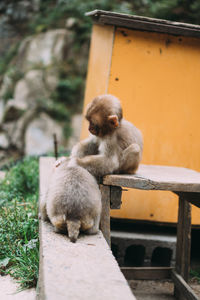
44,48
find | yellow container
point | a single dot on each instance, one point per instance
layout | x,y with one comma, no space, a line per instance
153,67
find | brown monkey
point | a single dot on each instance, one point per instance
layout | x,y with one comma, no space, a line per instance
114,146
72,201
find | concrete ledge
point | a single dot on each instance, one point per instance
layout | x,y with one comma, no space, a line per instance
86,270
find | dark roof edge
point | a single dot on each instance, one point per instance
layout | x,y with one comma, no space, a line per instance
144,23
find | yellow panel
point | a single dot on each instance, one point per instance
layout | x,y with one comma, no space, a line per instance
98,66
157,78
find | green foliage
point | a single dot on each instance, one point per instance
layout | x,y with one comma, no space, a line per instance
175,10
69,91
195,274
57,111
8,94
53,14
19,251
5,60
14,75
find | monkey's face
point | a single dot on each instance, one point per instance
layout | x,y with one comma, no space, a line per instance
103,114
103,126
94,128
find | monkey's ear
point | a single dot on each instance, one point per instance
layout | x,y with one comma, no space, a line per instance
113,120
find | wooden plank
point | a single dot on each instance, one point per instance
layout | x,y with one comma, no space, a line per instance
150,177
183,239
97,13
148,26
82,270
184,289
146,273
145,23
105,215
115,197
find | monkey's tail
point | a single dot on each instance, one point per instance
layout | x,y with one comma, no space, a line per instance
73,227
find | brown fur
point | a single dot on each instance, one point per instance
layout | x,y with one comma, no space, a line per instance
115,145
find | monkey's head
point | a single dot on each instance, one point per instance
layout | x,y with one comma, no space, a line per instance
104,114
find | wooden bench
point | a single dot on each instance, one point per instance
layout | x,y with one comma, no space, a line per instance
183,182
84,270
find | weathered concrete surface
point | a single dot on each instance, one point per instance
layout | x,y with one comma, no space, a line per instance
84,270
9,287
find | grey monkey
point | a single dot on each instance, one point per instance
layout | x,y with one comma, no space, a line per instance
72,200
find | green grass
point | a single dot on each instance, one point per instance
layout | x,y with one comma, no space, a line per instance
195,274
19,250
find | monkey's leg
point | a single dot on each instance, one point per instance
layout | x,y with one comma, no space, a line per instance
94,229
87,223
59,222
43,210
99,165
131,157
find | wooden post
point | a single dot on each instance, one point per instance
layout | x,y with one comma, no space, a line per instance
183,246
105,215
115,197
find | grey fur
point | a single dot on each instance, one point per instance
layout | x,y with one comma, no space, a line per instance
72,201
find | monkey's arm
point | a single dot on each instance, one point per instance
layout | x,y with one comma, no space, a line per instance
86,147
99,165
130,159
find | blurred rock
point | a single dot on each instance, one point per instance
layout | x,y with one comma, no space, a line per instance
6,85
2,107
76,123
30,88
44,49
51,78
4,143
16,130
12,13
39,135
12,111
70,22
19,11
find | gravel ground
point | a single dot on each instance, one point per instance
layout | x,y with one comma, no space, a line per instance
157,290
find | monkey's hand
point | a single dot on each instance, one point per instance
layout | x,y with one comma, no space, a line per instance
59,161
86,147
99,165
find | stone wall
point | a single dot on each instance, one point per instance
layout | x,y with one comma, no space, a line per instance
28,118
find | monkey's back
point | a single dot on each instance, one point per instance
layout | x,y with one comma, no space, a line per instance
128,134
73,192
